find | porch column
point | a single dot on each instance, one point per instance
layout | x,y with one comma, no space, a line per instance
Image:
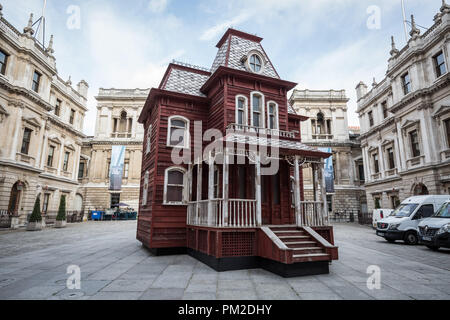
225,177
316,180
323,190
210,189
258,190
199,190
190,182
298,214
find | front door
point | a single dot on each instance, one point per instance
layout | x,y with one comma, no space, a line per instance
271,199
14,200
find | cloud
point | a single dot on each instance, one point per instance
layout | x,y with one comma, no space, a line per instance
157,6
218,29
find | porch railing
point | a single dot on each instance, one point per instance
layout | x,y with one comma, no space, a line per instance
240,213
312,214
264,131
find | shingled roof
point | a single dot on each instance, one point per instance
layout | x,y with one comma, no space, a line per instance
183,80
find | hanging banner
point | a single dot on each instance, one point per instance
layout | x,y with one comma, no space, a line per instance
329,172
116,167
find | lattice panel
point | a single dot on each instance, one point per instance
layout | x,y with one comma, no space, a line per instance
238,244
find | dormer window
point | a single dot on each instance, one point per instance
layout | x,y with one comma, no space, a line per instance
255,63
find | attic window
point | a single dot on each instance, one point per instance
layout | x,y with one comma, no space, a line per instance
255,63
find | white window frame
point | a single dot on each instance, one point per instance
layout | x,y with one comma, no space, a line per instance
261,58
187,136
166,180
262,119
149,138
277,123
245,118
145,188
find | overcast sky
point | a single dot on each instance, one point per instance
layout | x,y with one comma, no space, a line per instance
320,44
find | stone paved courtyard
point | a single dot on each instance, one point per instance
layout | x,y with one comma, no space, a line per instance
115,266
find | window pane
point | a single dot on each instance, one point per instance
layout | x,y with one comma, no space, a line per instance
240,117
256,120
178,123
175,177
256,103
174,194
241,103
177,137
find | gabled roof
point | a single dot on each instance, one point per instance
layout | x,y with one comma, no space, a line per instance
184,79
235,45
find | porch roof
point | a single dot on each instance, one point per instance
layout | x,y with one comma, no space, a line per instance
285,146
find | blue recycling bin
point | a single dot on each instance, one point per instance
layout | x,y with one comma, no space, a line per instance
97,215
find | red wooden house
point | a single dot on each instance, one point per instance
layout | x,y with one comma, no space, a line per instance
221,203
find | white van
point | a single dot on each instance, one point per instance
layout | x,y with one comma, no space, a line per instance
379,214
403,222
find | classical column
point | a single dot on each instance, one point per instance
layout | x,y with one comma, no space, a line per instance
41,151
367,164
225,178
381,161
338,167
401,148
77,163
210,189
351,168
15,141
44,148
298,216
324,217
258,190
398,160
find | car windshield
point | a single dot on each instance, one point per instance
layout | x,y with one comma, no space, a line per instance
444,211
404,210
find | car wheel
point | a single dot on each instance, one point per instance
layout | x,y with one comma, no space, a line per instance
411,238
434,248
390,240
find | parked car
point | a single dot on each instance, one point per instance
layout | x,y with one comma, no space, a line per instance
434,232
403,222
379,214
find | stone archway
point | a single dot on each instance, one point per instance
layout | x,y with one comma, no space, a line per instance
419,189
15,198
78,203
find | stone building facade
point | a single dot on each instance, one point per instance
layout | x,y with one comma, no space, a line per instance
327,127
41,123
116,124
405,119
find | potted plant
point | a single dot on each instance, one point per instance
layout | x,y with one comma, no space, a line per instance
61,219
35,220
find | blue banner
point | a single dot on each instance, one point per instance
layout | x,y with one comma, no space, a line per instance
329,172
116,167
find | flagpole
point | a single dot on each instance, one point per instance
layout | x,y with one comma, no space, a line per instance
404,21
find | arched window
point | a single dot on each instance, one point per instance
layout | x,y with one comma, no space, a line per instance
255,63
241,110
257,101
123,122
178,132
145,189
174,186
272,115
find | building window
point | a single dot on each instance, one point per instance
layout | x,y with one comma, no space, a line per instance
3,62
439,64
371,122
385,109
123,122
115,200
376,164
330,203
145,188
447,131
126,168
26,141
216,182
415,147
36,81
51,153
272,115
395,202
257,114
255,63
241,110
81,171
45,204
149,140
66,161
72,116
377,202
174,183
406,82
58,107
362,177
178,132
391,161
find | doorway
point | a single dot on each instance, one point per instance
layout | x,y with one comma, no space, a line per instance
15,197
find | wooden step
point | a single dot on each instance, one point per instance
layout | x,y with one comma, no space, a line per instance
294,238
311,257
307,250
283,228
289,233
300,244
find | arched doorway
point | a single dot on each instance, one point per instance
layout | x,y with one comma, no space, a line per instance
420,190
15,197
